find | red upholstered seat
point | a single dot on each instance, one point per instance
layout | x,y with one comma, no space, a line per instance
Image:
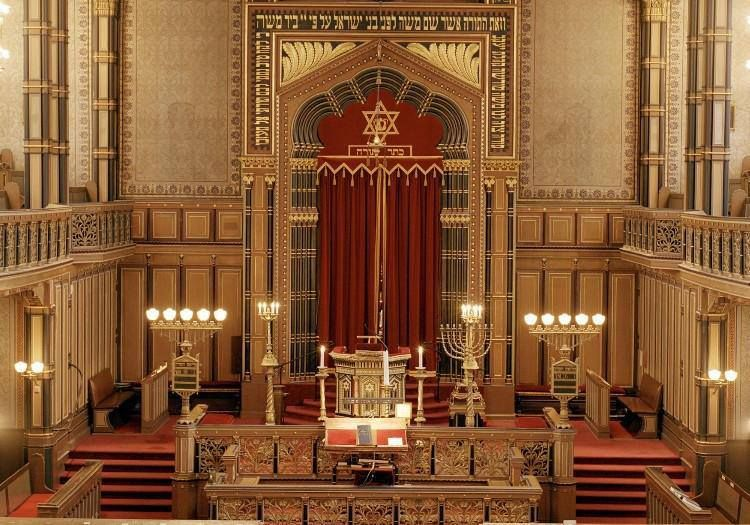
27,509
344,436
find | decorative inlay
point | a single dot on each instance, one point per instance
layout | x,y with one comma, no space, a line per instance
461,60
300,58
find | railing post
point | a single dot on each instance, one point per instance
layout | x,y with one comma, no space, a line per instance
563,495
185,479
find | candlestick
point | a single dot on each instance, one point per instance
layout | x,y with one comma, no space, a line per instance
322,356
420,351
386,370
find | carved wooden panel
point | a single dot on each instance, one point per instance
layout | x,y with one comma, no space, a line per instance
237,509
282,511
164,225
415,463
372,512
464,512
196,225
530,228
132,308
255,456
197,295
621,328
592,229
527,346
502,511
419,511
616,230
329,511
228,295
165,295
452,457
138,224
560,228
295,455
229,225
491,459
591,289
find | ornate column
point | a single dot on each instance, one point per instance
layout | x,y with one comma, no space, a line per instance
104,82
653,99
708,105
46,101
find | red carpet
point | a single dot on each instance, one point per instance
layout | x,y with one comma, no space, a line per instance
611,484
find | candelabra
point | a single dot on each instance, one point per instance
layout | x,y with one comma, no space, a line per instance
186,331
562,334
714,378
36,371
466,343
269,312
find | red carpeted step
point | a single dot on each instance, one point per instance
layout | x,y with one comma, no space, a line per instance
143,491
120,478
609,496
604,519
627,460
622,510
135,515
155,505
125,465
114,453
27,509
635,484
624,471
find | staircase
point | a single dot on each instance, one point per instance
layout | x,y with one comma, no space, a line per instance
613,488
307,412
135,484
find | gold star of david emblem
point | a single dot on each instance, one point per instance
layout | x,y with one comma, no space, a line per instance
380,122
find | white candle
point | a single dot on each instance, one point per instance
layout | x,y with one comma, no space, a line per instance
420,351
386,370
322,356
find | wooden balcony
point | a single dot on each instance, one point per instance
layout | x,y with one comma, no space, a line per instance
100,226
653,233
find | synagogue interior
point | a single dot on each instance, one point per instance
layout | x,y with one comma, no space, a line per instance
394,262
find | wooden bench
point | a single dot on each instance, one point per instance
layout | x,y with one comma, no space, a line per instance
19,496
645,408
727,502
108,405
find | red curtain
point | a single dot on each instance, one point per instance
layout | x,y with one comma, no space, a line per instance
347,243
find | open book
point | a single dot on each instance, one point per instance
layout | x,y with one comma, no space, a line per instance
685,499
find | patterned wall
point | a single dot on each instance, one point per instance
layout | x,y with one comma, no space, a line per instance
578,100
79,101
11,80
181,97
740,137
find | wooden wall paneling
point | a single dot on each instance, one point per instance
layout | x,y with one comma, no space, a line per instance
58,396
691,369
560,228
133,323
228,296
528,354
591,290
138,224
592,229
166,286
258,275
75,347
197,294
165,225
616,230
197,225
621,330
530,228
228,225
558,299
498,315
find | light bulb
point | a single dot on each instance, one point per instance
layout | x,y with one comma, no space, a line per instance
261,307
21,367
582,319
548,319
4,9
203,315
186,314
220,314
169,314
747,64
530,319
37,367
598,319
564,319
730,375
714,374
152,314
4,53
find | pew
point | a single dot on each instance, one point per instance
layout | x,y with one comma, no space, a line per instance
727,501
155,399
597,404
80,497
107,404
645,407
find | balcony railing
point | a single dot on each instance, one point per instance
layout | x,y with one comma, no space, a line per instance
100,226
718,245
32,238
653,232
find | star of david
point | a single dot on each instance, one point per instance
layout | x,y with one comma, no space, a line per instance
380,121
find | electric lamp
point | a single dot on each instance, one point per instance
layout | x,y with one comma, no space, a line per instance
152,314
548,319
530,319
21,367
730,375
220,314
598,319
37,367
564,319
582,319
169,314
714,374
203,315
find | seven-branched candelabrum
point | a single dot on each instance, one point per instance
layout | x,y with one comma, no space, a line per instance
561,333
466,342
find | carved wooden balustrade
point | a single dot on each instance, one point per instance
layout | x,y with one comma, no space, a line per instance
33,238
663,506
287,503
653,232
597,403
78,498
717,245
100,226
155,399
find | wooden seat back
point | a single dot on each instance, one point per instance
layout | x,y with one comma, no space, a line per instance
650,391
101,386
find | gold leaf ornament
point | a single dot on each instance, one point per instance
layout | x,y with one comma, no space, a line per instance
301,58
459,59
